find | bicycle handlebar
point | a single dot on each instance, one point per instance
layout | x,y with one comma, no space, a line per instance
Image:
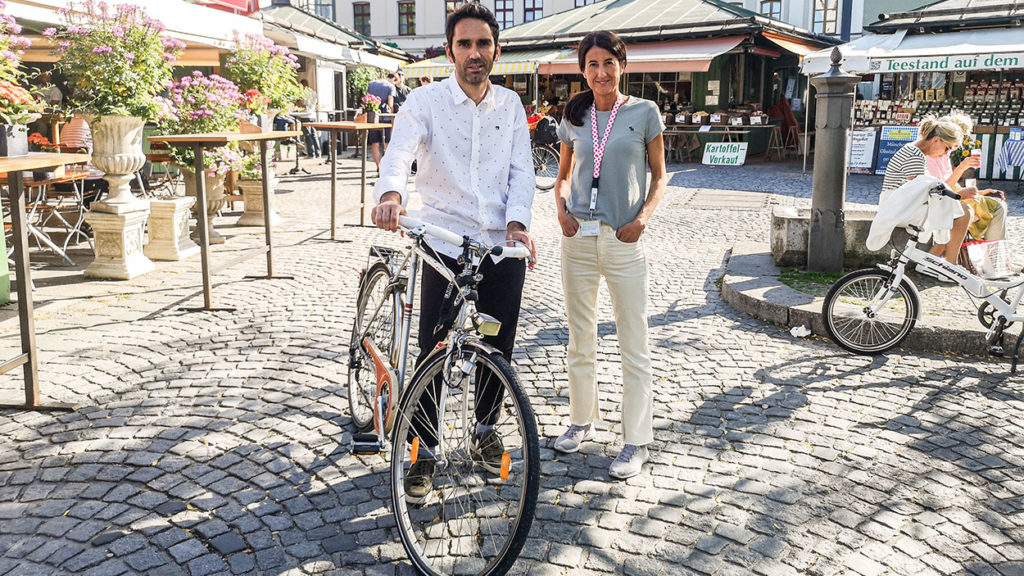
943,190
456,240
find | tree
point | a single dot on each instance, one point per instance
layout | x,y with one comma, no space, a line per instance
360,78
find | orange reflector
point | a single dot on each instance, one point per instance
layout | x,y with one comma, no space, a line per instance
506,463
415,450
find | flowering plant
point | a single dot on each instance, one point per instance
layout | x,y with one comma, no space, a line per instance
254,102
12,46
371,103
220,161
251,168
116,59
198,104
17,106
964,150
258,64
39,143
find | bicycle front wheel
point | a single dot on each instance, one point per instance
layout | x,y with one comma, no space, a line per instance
375,320
850,321
485,456
545,166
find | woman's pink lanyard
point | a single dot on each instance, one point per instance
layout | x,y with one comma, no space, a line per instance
599,149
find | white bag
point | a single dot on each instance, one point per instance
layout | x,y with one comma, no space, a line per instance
991,258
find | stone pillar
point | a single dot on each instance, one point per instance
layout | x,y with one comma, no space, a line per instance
833,107
118,240
252,196
168,229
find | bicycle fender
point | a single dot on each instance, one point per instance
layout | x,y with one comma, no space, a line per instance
441,348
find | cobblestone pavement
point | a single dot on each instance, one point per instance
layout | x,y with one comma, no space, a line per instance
216,443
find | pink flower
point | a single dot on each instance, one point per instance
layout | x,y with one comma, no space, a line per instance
49,32
102,50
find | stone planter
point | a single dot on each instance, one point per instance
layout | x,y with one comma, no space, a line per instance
168,229
214,201
252,196
13,140
117,151
119,220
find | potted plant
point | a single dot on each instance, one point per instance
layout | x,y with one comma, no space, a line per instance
258,64
17,106
197,104
39,143
371,105
117,61
255,105
251,183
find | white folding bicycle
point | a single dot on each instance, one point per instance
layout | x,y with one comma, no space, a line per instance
871,311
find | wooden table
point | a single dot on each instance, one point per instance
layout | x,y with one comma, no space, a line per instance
213,139
362,129
16,190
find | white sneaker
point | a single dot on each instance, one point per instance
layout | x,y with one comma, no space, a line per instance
629,462
932,274
570,441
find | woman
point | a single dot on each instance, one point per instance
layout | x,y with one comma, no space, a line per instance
936,137
988,208
603,212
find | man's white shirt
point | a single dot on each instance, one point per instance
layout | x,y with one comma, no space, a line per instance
475,172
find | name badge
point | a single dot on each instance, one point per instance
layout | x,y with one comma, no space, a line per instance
590,228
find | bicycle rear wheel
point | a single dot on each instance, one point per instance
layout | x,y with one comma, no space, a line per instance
477,516
375,319
850,322
545,166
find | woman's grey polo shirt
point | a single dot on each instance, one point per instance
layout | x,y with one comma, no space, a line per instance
623,186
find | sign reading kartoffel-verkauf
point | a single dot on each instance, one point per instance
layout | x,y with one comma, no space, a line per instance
945,63
725,153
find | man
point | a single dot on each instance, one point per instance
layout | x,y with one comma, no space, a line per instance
424,80
401,90
307,113
385,90
476,179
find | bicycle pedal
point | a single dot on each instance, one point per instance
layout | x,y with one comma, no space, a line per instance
996,351
366,444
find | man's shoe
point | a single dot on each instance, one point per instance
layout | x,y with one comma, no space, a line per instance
570,441
931,274
419,481
488,449
629,462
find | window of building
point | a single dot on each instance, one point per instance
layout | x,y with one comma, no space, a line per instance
504,12
582,3
825,16
451,5
406,18
324,9
772,8
533,9
361,17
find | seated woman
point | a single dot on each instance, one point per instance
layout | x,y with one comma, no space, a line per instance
988,209
936,137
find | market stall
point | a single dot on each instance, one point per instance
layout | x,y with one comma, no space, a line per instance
909,75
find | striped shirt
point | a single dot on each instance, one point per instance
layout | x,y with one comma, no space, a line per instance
908,162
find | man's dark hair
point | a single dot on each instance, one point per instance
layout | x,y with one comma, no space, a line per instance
392,76
471,10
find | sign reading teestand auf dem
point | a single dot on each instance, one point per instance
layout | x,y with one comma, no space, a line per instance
725,153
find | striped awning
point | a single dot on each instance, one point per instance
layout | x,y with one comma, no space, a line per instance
524,62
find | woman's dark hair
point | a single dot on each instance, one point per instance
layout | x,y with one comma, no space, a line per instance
611,42
470,10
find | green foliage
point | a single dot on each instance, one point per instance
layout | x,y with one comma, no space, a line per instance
359,79
813,283
115,58
258,64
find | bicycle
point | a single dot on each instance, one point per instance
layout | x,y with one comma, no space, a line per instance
545,154
871,311
477,516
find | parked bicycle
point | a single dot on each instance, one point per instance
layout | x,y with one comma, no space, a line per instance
476,518
544,147
871,311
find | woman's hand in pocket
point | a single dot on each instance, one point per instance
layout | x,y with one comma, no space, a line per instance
569,224
631,232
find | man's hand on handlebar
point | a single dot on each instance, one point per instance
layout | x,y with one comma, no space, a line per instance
385,215
517,233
